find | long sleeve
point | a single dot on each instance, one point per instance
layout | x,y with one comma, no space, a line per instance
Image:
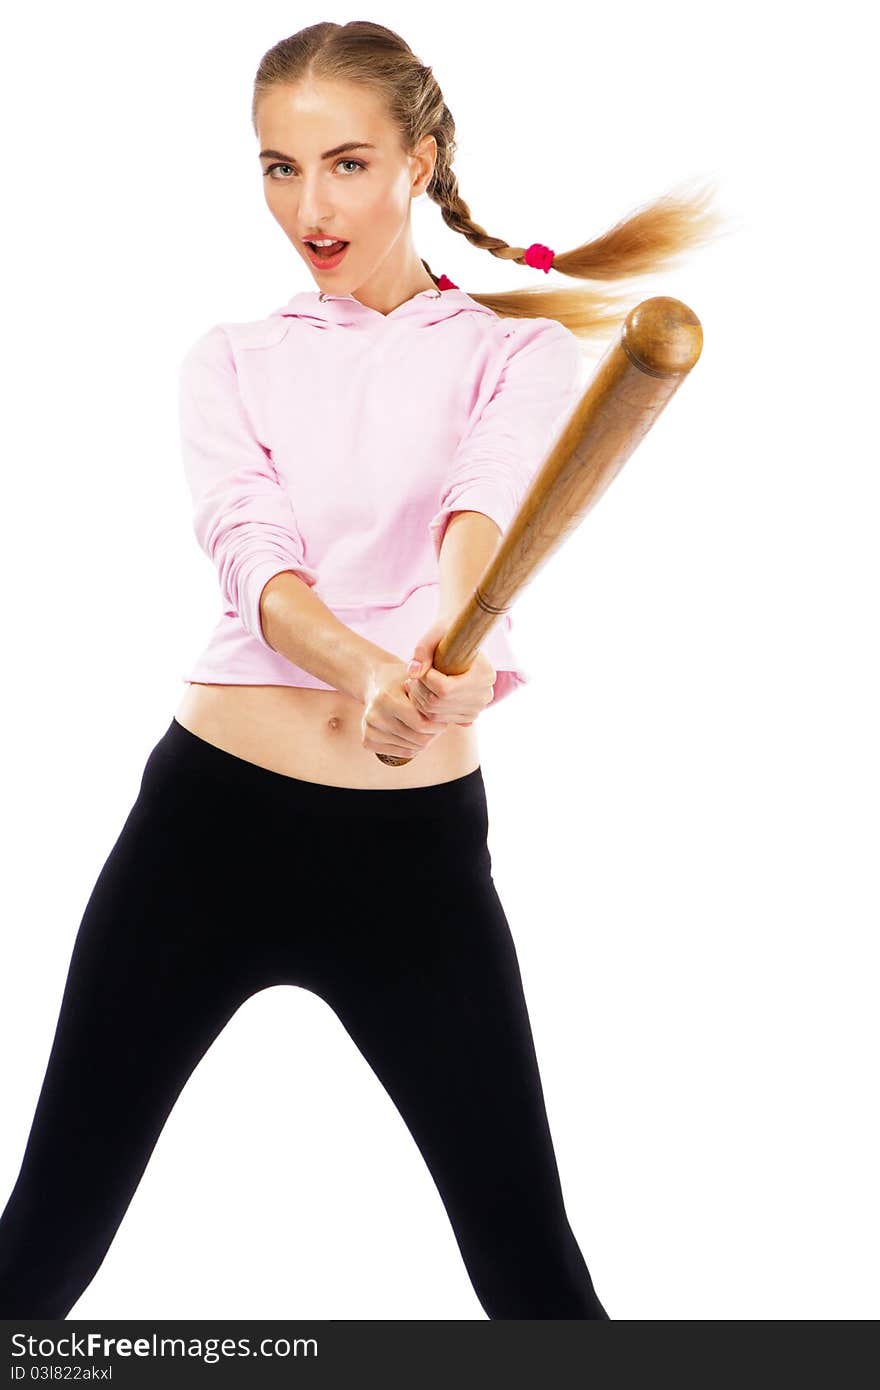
243,518
510,437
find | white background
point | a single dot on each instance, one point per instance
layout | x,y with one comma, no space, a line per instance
683,802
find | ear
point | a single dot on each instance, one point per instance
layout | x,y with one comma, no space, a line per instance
425,157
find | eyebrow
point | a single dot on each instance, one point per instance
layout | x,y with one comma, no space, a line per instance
328,154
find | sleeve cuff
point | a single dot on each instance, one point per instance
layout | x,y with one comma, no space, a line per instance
258,580
493,500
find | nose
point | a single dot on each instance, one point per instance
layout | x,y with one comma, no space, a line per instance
313,209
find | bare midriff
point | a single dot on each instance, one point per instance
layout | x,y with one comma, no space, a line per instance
315,735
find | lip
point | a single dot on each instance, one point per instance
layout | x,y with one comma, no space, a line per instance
322,262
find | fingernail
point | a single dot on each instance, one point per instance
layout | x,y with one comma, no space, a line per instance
415,667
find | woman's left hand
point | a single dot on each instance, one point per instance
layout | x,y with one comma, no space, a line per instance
448,699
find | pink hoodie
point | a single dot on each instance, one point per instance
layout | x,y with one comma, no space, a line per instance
336,441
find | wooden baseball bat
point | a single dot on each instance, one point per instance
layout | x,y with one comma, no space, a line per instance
659,342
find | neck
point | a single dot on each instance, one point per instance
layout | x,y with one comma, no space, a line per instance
391,291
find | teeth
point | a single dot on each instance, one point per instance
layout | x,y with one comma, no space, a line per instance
330,241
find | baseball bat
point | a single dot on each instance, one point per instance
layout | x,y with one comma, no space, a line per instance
658,344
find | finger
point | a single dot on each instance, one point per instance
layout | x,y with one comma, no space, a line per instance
419,705
415,690
429,700
418,737
435,682
381,741
397,750
435,691
454,706
448,714
417,693
394,750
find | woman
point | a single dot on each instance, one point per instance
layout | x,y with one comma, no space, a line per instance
354,459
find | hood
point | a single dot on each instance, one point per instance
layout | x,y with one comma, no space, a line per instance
343,310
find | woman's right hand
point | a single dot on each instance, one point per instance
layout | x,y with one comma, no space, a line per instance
391,723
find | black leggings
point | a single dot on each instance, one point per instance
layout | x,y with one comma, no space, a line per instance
228,878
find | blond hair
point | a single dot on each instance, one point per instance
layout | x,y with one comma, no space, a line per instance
377,58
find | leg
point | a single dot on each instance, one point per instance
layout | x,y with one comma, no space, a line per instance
436,1006
150,985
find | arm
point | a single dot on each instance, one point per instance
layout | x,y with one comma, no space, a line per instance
242,516
245,522
301,627
525,397
469,543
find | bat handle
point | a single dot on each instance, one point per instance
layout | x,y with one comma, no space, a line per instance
475,606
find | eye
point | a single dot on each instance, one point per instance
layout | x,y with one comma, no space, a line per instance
356,162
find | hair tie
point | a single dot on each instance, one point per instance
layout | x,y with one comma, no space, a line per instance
541,257
444,283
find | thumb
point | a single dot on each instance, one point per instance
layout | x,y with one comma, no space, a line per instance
423,651
423,654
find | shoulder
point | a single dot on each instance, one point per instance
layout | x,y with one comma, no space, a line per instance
540,346
542,332
220,345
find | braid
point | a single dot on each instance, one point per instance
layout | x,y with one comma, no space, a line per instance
457,215
654,234
643,243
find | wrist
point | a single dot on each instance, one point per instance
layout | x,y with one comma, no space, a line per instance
376,669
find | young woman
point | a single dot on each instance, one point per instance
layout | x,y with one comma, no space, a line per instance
354,459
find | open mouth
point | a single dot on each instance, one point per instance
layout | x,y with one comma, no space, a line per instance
326,256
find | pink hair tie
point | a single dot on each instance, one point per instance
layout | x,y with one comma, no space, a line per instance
541,257
444,283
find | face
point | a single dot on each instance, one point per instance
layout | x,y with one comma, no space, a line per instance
362,196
